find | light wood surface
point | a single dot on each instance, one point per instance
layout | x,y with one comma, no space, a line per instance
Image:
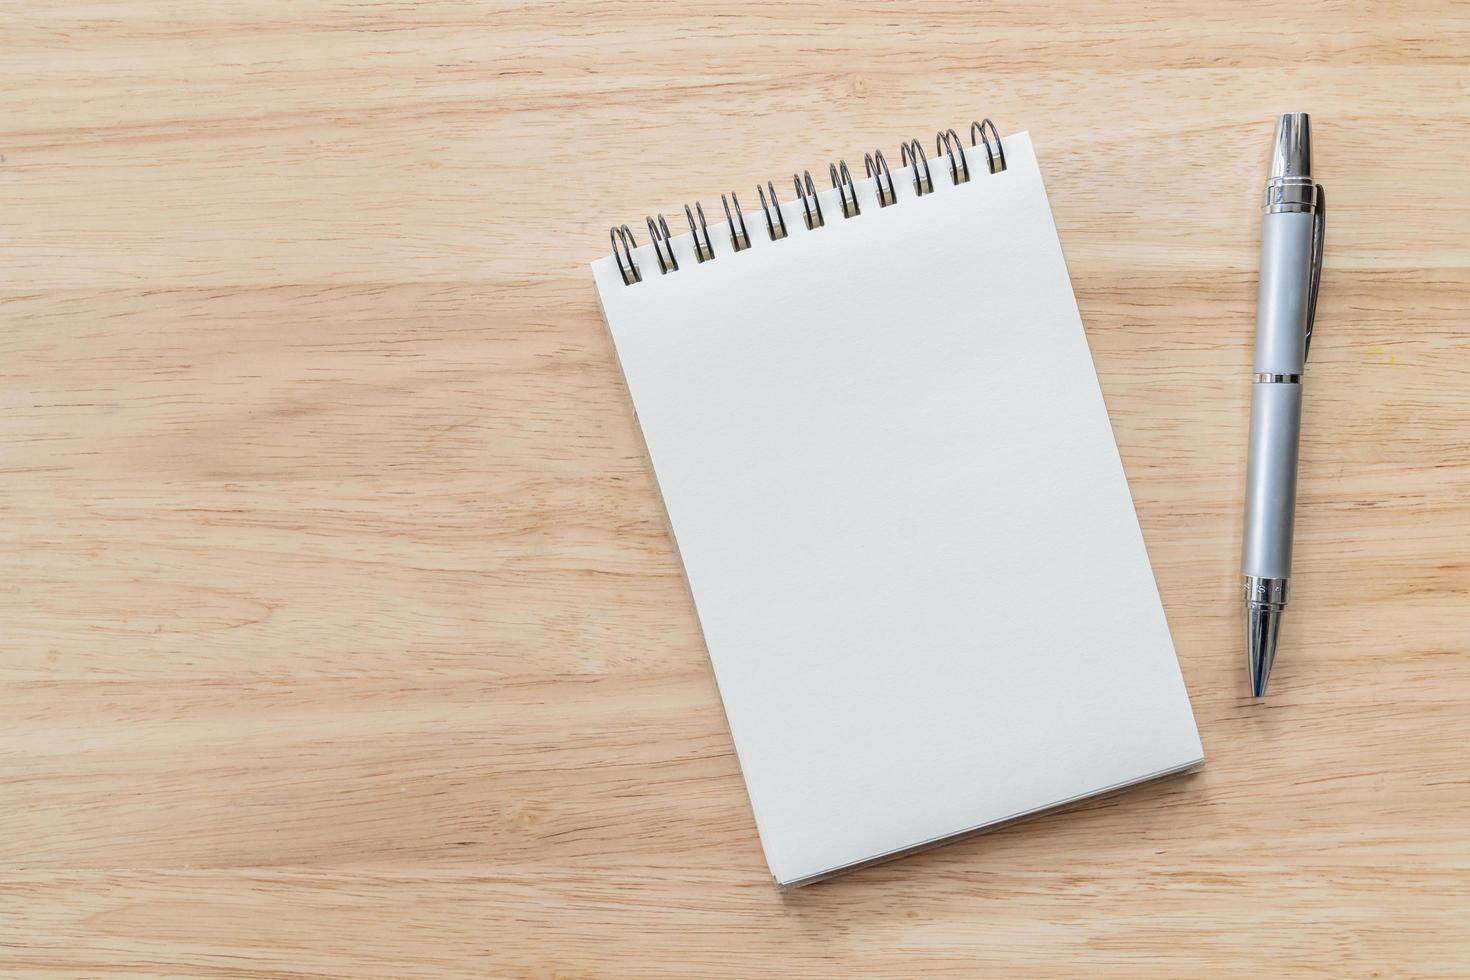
339,628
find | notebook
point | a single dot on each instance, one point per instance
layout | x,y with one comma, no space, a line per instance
889,473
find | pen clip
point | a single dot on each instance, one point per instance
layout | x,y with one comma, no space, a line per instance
1319,232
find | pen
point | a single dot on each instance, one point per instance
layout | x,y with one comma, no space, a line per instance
1291,269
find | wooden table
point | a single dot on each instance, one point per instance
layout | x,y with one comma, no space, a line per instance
341,632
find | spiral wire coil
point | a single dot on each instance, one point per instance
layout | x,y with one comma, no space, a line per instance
947,144
777,225
704,249
811,205
846,189
912,155
877,168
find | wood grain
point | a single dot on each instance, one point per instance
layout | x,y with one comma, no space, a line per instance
341,633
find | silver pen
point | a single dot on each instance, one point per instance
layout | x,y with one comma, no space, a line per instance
1291,269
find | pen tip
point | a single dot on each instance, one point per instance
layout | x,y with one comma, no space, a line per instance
1260,677
1262,627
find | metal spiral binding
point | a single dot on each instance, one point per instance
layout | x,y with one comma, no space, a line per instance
846,189
776,227
703,250
877,168
626,265
946,142
999,154
811,205
912,155
739,239
662,245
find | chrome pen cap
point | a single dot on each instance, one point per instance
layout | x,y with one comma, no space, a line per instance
1290,186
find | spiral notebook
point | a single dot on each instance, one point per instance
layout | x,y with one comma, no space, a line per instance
889,472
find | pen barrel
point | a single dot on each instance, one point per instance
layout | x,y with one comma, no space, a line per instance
1270,493
1285,292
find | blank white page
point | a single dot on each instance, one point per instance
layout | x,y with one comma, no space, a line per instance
890,474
